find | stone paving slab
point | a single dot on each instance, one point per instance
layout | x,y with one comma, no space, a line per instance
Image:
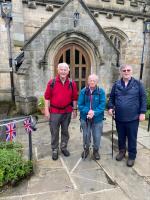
145,141
54,195
143,133
111,194
143,162
93,179
52,180
131,183
64,195
12,198
73,178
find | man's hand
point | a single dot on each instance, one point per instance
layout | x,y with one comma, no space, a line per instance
142,117
46,113
74,114
90,114
111,112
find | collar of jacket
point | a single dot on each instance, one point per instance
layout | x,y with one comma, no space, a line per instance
88,91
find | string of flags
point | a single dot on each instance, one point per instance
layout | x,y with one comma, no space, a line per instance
10,127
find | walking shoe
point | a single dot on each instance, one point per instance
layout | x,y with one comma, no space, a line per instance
85,153
130,162
65,152
120,155
55,154
96,155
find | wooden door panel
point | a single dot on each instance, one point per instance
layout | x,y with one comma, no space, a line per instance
78,60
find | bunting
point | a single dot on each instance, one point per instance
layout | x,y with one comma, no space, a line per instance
10,131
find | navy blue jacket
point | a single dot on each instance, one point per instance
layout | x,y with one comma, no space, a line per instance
128,102
98,103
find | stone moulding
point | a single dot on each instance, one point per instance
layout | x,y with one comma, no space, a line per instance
42,64
134,3
120,1
109,15
96,14
106,0
122,17
134,19
32,4
49,7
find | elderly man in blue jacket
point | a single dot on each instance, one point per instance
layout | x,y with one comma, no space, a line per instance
91,104
128,102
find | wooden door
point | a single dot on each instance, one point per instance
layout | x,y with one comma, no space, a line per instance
78,60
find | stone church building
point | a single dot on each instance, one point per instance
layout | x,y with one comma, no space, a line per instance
92,36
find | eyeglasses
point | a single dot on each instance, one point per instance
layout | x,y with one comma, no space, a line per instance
126,70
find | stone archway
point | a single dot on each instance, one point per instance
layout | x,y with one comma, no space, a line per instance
78,60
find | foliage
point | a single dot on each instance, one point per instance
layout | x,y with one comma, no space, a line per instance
41,102
148,103
147,114
12,166
10,145
148,98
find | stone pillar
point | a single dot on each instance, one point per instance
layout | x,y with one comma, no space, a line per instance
26,105
146,72
18,23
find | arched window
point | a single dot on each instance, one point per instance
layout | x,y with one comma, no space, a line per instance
116,41
119,39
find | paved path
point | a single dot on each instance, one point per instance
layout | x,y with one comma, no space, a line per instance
75,179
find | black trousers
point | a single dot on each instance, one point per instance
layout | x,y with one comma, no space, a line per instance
128,130
57,121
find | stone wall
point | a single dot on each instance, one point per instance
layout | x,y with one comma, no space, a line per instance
29,16
5,88
63,22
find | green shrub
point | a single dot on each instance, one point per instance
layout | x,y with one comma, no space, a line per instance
10,145
12,166
148,98
147,114
41,102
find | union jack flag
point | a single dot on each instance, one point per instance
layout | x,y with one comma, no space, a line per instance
28,125
10,131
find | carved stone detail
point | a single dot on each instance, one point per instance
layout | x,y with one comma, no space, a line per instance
134,19
32,4
106,0
109,15
134,3
96,14
120,1
122,17
49,7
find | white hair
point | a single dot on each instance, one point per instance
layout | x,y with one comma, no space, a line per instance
63,65
93,76
124,66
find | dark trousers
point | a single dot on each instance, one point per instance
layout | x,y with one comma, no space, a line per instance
128,130
57,121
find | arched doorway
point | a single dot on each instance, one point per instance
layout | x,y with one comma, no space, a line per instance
78,60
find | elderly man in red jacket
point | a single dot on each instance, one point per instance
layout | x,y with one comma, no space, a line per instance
60,101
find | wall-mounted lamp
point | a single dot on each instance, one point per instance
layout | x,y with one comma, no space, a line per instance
76,18
6,10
